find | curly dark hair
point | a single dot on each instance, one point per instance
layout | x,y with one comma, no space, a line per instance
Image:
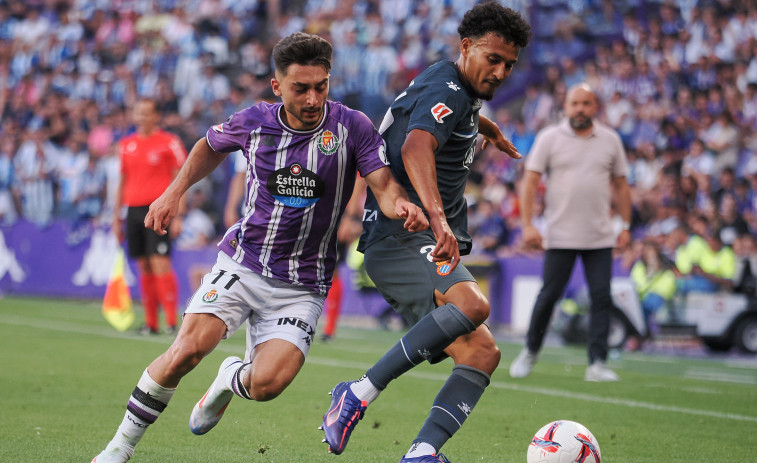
492,17
303,49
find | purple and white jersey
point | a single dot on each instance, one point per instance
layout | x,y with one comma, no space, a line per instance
298,185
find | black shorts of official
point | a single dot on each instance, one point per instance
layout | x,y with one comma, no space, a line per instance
141,241
405,275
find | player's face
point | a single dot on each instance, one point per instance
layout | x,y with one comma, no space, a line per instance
580,107
486,62
303,90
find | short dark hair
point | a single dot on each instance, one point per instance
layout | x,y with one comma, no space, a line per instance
303,49
149,100
492,17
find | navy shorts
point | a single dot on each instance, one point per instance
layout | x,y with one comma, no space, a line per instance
405,275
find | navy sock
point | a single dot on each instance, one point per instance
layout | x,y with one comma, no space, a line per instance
452,405
427,338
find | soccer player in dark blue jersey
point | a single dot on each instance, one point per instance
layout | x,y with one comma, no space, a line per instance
430,131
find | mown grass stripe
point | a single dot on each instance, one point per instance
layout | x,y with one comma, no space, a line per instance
362,366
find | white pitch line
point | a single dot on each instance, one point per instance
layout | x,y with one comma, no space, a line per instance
553,392
71,328
712,375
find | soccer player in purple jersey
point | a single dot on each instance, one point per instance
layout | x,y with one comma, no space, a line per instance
275,264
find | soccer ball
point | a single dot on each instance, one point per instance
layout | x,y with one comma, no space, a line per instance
563,442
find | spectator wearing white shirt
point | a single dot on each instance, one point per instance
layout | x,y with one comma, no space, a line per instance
379,67
34,164
197,229
620,115
8,211
722,138
70,165
698,161
31,29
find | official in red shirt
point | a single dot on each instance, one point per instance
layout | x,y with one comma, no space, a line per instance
150,159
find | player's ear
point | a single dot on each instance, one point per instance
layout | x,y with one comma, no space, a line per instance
276,86
465,46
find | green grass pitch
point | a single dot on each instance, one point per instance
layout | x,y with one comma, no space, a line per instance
65,378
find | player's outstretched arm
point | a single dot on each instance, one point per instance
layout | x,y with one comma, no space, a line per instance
420,165
202,160
393,200
492,134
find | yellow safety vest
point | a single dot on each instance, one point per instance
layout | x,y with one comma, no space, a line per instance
662,282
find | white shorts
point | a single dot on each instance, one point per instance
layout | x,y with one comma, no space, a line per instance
273,309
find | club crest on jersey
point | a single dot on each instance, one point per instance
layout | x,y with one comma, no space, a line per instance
218,128
295,186
443,268
210,296
440,111
328,143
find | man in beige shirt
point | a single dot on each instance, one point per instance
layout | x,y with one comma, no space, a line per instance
585,166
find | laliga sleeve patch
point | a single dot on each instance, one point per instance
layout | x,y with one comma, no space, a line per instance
218,128
440,111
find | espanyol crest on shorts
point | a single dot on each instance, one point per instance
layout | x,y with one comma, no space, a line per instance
328,143
443,268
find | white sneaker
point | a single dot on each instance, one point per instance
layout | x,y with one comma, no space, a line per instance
523,364
115,454
209,410
598,372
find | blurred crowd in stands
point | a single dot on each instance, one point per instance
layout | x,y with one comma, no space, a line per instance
676,78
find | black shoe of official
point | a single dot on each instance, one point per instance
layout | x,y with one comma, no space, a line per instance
147,331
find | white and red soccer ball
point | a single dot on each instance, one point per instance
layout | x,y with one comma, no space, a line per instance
563,441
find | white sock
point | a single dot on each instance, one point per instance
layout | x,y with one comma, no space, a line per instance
418,449
233,378
364,390
146,403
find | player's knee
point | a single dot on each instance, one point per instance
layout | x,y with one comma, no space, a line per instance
467,296
477,310
264,388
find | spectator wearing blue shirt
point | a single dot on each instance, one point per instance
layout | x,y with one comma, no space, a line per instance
522,137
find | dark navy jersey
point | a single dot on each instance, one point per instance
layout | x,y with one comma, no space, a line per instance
438,102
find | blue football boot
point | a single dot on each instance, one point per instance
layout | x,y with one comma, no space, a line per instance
343,415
